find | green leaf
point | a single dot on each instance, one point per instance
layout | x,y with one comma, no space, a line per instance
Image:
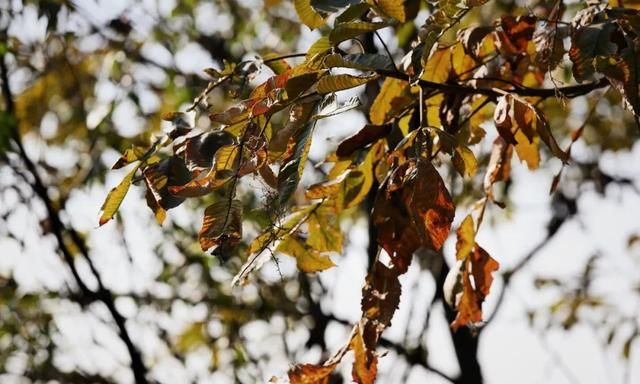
353,29
115,197
335,83
307,14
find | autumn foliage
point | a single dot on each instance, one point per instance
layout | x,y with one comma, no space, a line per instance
424,121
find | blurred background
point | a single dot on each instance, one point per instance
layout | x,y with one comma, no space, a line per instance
84,80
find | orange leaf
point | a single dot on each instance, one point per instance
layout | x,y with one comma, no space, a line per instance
311,373
479,265
365,366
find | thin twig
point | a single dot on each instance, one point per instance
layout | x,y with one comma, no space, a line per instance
386,49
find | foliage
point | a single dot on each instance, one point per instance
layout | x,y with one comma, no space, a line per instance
429,150
413,207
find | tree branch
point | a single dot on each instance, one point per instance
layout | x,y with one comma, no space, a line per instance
571,91
59,229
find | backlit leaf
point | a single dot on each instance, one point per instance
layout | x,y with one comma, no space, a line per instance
466,235
365,365
335,83
353,29
324,231
307,14
465,161
480,266
307,259
515,34
527,151
222,223
392,8
311,374
381,106
115,197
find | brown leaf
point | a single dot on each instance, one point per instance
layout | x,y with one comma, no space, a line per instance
624,73
367,135
428,200
222,224
160,177
380,299
235,113
414,211
548,39
589,41
502,118
311,373
480,265
499,166
397,233
515,34
471,38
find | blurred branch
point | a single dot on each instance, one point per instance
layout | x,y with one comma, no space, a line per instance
59,230
563,208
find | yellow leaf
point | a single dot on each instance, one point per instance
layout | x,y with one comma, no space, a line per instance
527,151
365,365
324,231
390,89
392,8
192,337
461,62
466,234
465,161
438,66
307,14
334,83
115,197
307,260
